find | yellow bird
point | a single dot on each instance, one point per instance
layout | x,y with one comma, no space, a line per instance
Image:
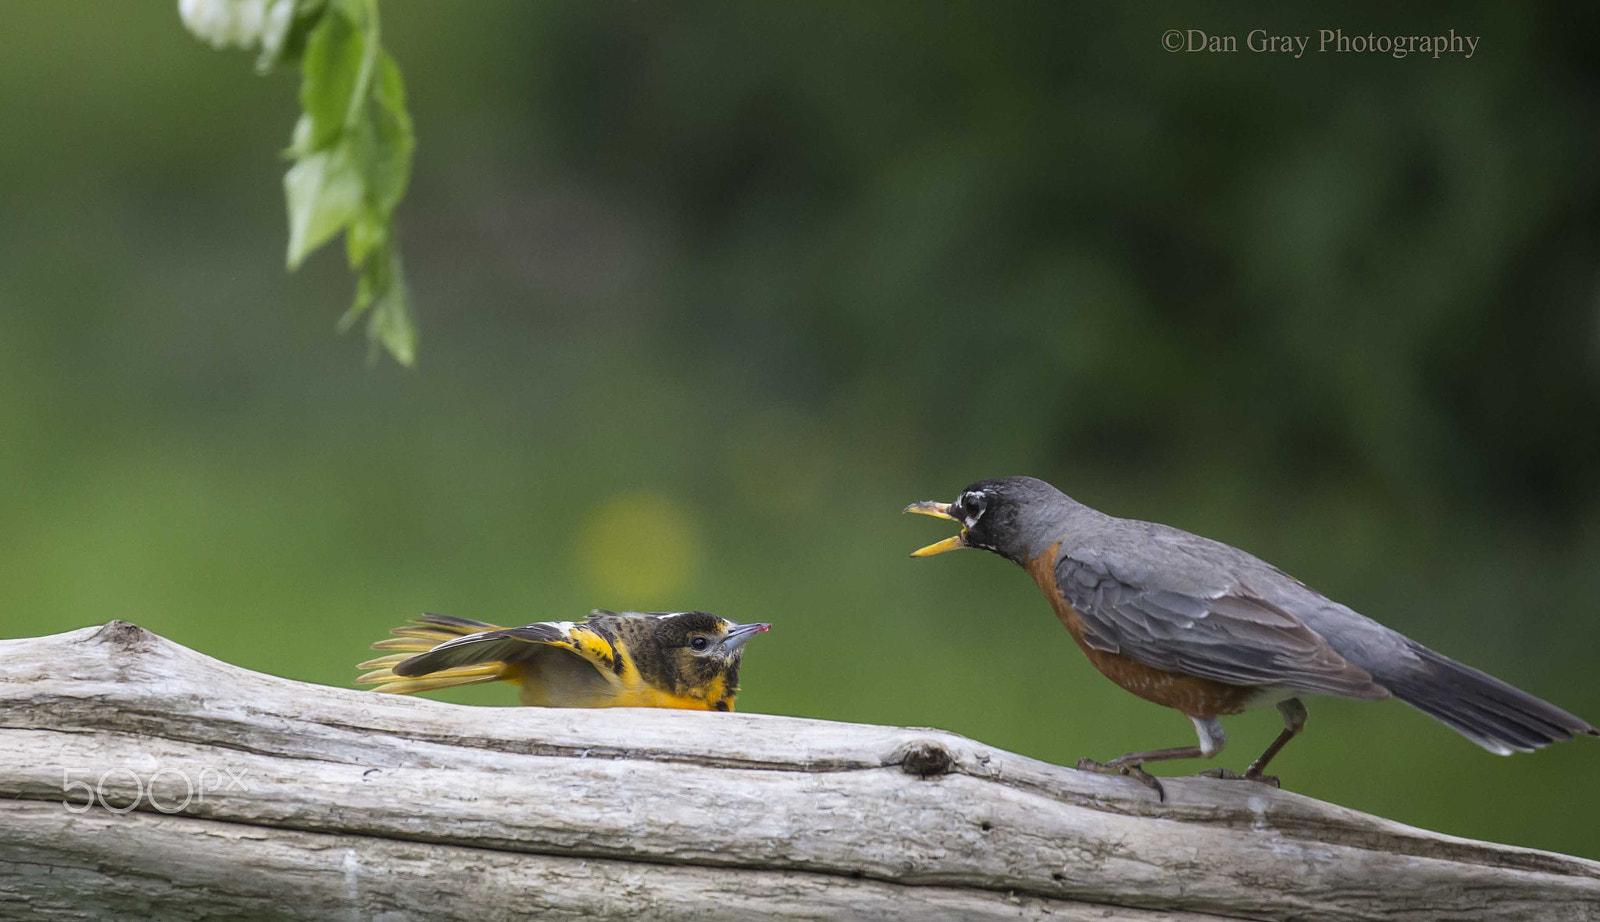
614,659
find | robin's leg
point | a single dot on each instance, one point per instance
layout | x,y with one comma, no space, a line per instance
1212,739
1294,720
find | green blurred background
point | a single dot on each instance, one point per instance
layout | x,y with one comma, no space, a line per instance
708,292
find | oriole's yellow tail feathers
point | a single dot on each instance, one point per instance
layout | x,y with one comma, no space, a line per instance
384,662
420,636
413,644
387,681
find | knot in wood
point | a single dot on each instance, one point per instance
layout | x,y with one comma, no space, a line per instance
924,758
124,636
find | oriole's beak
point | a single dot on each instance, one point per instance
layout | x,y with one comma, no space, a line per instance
740,635
938,511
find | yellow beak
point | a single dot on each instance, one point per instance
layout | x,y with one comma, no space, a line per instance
938,511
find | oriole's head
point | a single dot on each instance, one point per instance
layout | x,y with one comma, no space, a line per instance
689,654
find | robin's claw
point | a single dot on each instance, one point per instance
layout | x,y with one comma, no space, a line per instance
1148,780
1228,774
1132,771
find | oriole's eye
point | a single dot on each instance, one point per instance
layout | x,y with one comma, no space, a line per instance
698,644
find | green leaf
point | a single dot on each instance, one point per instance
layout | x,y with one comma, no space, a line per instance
324,193
300,140
366,233
388,168
357,11
391,323
383,290
385,166
374,279
352,146
328,77
289,46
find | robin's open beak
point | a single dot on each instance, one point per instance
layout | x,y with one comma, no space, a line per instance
938,511
741,634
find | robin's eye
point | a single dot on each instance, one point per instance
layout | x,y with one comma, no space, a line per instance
972,507
699,644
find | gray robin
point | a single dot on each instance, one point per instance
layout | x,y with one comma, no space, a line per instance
1203,627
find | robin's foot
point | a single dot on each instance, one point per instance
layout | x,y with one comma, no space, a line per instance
1132,771
1270,781
1229,774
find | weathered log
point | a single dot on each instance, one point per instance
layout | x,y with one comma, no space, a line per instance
251,796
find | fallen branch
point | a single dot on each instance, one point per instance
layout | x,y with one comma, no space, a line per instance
251,795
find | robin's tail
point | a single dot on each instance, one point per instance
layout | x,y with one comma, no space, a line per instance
420,636
1491,713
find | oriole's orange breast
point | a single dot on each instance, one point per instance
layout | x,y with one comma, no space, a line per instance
1193,695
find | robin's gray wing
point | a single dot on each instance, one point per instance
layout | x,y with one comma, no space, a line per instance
1170,607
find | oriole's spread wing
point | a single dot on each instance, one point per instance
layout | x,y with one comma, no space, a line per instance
1166,605
514,645
443,651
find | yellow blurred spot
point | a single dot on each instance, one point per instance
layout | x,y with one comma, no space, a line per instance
639,549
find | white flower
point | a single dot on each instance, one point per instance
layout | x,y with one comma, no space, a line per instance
242,23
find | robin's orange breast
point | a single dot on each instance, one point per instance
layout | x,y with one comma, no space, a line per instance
1193,695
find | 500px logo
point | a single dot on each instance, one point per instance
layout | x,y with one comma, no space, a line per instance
178,788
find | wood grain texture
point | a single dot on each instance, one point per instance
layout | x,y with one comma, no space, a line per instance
302,801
